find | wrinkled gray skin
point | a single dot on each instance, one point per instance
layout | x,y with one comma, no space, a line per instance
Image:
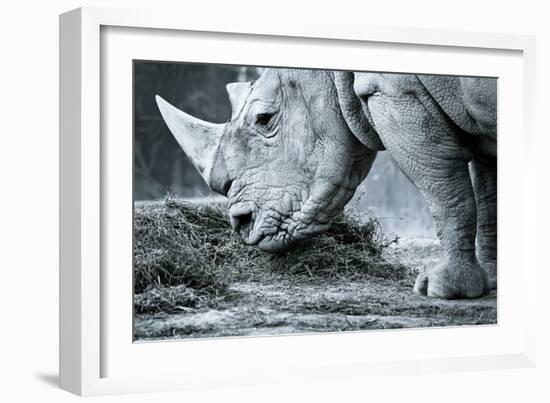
300,142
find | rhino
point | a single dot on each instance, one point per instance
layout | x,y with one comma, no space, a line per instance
299,143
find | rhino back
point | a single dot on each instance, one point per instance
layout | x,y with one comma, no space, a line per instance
470,102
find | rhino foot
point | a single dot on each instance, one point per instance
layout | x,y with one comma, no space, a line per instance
453,280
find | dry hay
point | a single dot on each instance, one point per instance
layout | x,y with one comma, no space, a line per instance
191,246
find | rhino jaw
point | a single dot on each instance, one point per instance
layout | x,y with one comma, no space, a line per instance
198,139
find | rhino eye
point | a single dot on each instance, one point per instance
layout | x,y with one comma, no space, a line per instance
263,118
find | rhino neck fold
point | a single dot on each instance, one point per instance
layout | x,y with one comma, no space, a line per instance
352,111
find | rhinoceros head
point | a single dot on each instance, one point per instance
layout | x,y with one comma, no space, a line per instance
286,160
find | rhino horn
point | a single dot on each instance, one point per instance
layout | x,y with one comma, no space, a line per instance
198,139
237,95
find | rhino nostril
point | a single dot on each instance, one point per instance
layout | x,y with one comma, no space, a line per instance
226,187
242,223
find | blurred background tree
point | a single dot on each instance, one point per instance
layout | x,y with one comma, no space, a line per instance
160,166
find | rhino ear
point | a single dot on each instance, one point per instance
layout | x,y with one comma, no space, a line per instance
237,94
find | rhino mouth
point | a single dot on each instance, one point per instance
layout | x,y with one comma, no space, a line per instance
243,219
246,220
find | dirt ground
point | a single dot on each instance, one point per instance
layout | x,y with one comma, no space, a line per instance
288,304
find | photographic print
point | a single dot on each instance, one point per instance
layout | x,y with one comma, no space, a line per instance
275,201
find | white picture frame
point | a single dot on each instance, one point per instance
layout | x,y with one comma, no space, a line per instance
87,317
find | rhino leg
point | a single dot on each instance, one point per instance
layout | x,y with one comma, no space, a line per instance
485,189
427,147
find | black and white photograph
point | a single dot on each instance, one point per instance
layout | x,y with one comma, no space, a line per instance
243,201
276,201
